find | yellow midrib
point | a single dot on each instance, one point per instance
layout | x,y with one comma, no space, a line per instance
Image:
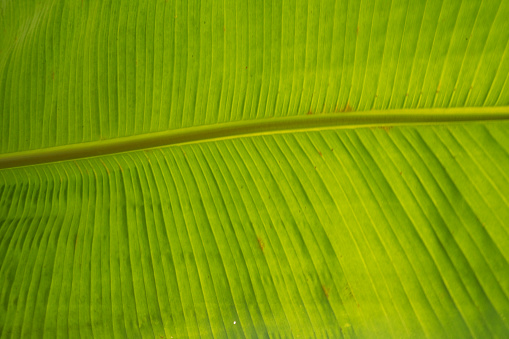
247,128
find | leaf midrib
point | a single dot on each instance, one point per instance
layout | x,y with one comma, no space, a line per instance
278,125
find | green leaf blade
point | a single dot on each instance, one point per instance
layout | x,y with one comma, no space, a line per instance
254,169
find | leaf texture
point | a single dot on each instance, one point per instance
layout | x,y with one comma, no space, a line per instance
373,230
353,233
76,71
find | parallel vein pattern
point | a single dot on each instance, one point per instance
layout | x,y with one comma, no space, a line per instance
388,231
75,71
343,233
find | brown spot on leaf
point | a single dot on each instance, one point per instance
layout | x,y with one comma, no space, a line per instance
260,243
350,293
309,112
107,170
325,291
348,108
320,153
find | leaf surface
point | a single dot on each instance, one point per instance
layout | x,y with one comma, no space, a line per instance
254,169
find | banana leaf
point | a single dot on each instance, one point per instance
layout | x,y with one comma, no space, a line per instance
230,169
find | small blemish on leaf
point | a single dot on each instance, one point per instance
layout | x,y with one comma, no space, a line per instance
260,243
347,108
350,293
325,291
107,170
